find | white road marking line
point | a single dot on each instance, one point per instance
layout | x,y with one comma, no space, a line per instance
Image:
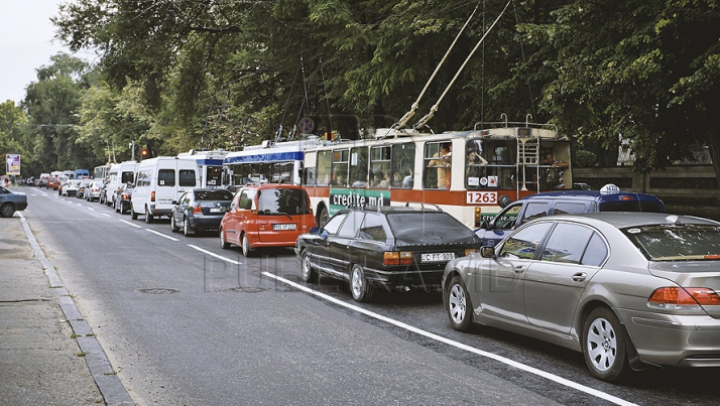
162,235
507,361
130,224
78,204
90,208
106,215
214,255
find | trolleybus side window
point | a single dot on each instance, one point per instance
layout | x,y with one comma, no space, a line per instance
340,167
437,165
403,162
358,167
324,161
380,166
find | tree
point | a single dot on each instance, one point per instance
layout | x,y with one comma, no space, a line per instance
646,71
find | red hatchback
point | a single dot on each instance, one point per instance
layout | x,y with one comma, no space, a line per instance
267,215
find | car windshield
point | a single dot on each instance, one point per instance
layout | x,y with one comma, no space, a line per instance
282,201
680,242
413,228
213,195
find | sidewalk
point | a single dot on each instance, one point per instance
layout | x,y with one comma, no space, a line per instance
42,361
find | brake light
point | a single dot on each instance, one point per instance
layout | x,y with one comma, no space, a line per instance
197,209
397,258
626,197
152,196
675,297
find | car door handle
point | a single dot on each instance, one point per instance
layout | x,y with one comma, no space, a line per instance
519,269
579,277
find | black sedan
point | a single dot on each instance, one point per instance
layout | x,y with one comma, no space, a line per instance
388,248
124,200
200,209
11,201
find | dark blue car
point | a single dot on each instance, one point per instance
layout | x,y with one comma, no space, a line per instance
11,201
610,198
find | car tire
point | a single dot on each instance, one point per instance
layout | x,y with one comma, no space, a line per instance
7,210
148,217
360,290
322,217
458,305
223,240
247,249
307,272
133,215
187,230
604,345
173,227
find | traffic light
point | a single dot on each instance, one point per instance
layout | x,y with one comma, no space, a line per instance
144,153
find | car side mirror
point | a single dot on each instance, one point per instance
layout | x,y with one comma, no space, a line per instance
324,234
487,252
315,230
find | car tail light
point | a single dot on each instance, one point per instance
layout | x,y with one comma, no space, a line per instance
152,196
397,258
197,209
675,297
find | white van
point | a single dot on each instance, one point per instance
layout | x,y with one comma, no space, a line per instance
118,174
159,182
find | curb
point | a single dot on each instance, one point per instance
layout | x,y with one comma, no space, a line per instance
102,371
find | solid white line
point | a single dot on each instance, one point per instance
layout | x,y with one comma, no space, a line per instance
90,208
130,224
78,204
106,215
507,361
162,235
214,255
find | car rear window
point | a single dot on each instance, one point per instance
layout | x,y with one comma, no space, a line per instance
166,177
214,195
413,228
685,242
632,205
273,201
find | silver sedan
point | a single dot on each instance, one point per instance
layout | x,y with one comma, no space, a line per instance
628,290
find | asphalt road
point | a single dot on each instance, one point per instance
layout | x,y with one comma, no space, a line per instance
185,322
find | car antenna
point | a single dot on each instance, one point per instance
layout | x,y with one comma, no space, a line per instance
423,121
404,120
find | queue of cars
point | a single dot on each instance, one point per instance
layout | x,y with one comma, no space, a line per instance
604,273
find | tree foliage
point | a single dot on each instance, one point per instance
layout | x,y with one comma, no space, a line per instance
217,73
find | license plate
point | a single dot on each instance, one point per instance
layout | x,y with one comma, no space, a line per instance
437,257
284,227
216,210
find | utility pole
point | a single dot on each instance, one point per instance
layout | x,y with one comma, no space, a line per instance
132,147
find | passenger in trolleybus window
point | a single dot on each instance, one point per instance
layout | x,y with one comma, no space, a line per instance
475,168
443,165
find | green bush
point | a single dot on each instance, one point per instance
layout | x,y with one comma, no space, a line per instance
585,159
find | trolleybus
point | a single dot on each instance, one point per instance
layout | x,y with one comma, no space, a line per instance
470,174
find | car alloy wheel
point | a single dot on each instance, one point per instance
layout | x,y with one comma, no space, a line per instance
308,273
458,305
173,227
223,242
361,291
7,210
604,348
187,230
246,248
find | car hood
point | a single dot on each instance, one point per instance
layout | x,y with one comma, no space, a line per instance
700,274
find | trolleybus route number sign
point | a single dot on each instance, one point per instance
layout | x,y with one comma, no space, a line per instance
482,198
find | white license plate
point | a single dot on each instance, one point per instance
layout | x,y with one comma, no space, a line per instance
438,257
215,210
284,227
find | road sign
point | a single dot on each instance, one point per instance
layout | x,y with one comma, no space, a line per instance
307,125
12,164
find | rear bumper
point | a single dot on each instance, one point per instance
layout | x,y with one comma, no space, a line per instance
674,340
427,280
205,222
